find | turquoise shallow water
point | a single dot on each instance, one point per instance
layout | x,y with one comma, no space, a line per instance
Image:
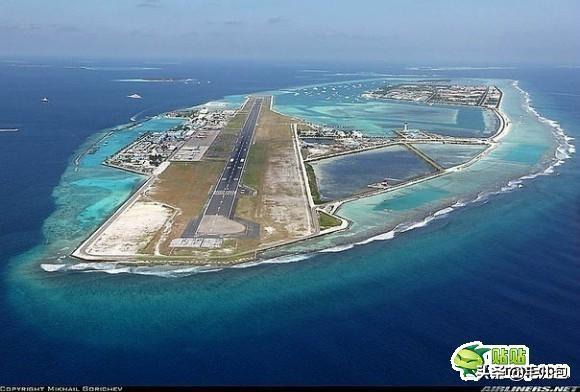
340,104
89,191
358,316
528,147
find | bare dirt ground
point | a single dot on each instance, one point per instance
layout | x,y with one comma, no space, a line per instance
273,170
132,230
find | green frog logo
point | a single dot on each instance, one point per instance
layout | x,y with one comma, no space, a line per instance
467,359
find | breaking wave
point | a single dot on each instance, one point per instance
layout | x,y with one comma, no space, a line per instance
113,268
275,260
457,68
565,147
164,271
158,80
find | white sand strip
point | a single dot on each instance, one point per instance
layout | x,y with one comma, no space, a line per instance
131,231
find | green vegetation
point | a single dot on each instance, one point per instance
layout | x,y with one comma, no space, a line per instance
313,185
222,145
254,170
327,221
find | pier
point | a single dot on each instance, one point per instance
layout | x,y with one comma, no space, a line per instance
424,156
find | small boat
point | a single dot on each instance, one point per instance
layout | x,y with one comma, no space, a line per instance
134,96
44,100
8,129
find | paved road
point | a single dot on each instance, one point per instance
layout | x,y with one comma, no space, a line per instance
223,199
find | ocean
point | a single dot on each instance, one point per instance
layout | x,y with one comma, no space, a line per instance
503,270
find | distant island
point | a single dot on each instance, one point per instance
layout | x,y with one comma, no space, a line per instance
158,80
428,92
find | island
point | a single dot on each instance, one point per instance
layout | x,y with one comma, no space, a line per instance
226,185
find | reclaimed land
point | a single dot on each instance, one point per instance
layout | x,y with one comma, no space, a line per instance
185,187
181,187
314,191
274,203
327,221
279,201
222,145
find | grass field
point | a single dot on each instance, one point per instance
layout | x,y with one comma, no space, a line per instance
184,186
257,159
313,185
222,145
327,221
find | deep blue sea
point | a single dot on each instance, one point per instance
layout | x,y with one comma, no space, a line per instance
392,312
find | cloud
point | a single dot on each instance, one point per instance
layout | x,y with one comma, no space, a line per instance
229,22
64,28
20,27
149,4
233,22
277,19
33,27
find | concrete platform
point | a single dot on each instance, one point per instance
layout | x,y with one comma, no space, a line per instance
195,148
200,242
219,225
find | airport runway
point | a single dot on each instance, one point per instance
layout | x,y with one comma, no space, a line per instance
223,199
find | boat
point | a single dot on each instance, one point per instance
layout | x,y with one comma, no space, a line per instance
8,129
134,96
44,100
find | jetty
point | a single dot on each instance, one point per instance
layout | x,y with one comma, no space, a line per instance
424,157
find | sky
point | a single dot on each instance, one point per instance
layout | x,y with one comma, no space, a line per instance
491,32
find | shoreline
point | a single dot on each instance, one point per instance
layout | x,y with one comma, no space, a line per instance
160,262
